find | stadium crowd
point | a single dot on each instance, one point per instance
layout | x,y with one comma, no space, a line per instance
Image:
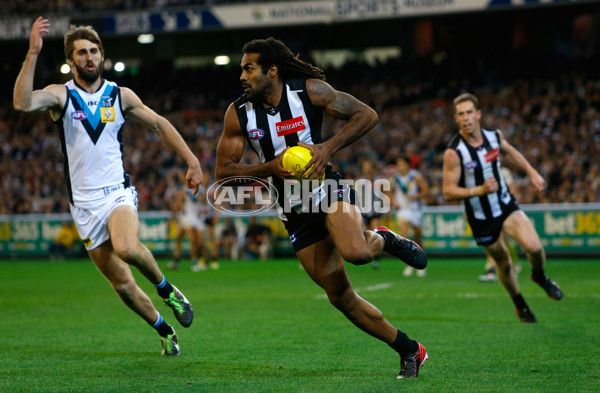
554,123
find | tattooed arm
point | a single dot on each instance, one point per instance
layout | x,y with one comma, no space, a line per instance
360,119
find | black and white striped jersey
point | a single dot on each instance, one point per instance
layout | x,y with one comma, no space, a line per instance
270,130
477,165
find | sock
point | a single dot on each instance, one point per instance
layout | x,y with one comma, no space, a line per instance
538,275
162,327
520,302
404,345
164,288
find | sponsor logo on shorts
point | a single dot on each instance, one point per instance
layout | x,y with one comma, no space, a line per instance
120,199
87,242
484,239
293,238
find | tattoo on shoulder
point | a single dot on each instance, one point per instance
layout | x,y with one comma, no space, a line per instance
320,93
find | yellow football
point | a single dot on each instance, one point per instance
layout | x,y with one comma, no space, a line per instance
295,159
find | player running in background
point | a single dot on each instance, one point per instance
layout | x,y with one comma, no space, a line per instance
472,173
410,188
90,112
189,211
285,99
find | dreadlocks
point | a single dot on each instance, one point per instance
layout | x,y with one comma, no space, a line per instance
273,51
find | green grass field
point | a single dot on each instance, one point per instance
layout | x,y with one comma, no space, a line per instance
265,327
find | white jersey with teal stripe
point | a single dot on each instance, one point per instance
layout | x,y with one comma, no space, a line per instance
91,136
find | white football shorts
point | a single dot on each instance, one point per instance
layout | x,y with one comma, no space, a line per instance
188,221
414,217
91,221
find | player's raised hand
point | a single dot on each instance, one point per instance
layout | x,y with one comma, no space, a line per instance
38,29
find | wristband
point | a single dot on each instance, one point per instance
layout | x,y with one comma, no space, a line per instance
473,191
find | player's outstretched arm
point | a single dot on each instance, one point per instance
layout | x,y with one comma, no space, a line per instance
515,157
135,109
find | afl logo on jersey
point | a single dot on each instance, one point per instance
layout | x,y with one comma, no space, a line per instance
256,134
78,115
471,165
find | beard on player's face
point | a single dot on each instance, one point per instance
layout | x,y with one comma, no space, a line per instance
90,76
257,89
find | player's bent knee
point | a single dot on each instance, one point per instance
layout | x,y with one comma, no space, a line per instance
346,303
357,255
536,251
128,253
125,288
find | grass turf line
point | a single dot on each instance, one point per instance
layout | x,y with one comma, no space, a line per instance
265,327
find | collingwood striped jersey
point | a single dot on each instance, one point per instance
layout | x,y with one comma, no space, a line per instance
270,130
477,165
91,136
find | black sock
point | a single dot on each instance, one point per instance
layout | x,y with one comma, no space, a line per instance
164,288
538,275
404,345
164,329
520,302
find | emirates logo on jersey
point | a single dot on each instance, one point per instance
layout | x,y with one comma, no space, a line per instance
492,155
291,126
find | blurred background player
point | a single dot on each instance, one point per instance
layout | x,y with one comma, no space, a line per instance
228,242
258,240
471,173
66,237
191,212
409,190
